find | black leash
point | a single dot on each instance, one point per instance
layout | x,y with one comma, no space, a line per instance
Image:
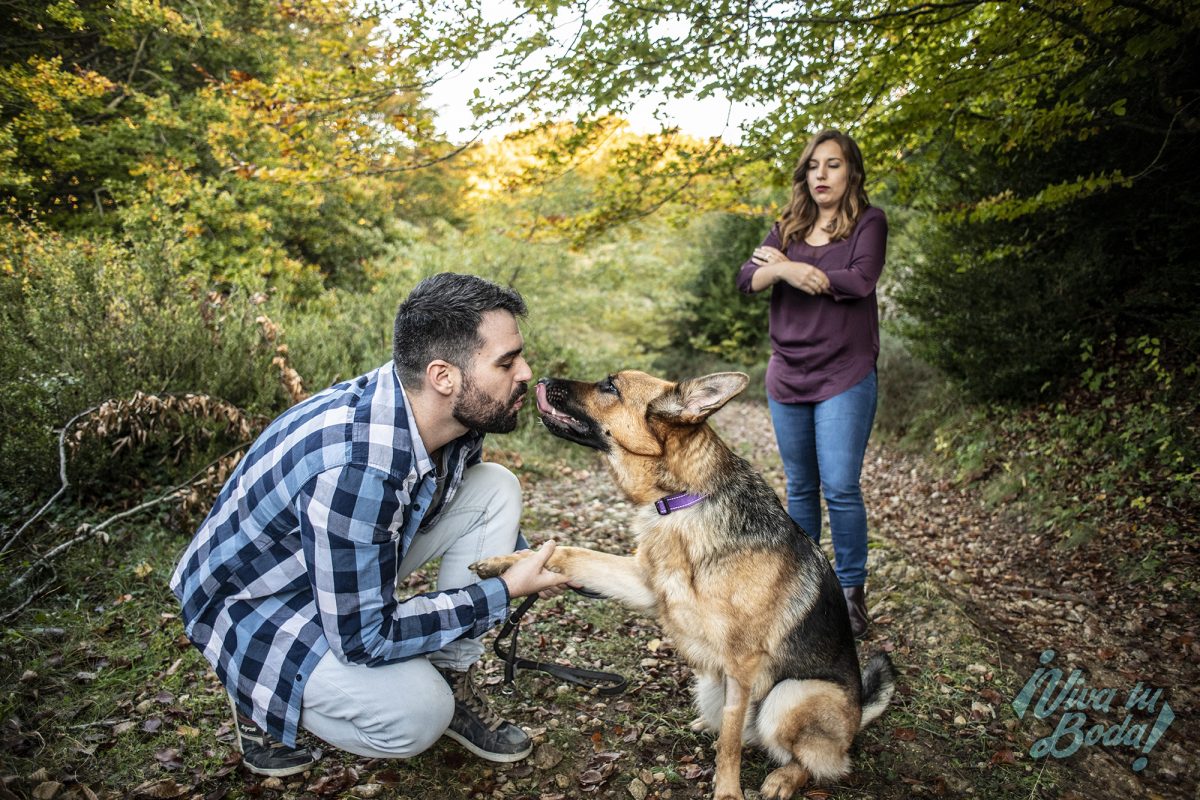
605,683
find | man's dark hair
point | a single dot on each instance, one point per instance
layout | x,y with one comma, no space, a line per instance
440,320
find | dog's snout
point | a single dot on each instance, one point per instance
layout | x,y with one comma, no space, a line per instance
553,390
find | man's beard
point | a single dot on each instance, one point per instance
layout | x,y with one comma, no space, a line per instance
481,413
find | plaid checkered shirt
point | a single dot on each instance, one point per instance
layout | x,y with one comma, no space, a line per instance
299,554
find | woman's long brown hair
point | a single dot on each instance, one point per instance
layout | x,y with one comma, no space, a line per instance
800,216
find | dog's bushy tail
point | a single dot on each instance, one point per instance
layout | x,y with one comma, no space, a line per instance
878,686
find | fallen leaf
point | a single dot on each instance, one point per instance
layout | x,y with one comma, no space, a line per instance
164,789
546,756
392,778
1003,757
169,758
47,791
591,777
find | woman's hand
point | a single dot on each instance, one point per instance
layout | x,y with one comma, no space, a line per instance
767,255
796,274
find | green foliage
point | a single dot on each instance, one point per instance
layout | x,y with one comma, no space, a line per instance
1120,442
718,321
83,319
275,137
1004,304
997,80
913,396
1050,144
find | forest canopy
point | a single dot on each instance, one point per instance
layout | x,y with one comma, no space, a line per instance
197,194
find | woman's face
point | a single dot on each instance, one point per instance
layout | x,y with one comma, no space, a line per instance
827,174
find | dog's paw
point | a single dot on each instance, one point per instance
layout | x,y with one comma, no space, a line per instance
491,567
783,783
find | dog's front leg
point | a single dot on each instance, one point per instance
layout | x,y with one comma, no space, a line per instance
729,743
618,577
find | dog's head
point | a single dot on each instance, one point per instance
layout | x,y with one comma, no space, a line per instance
633,416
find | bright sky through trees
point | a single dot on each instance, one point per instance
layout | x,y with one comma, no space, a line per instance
451,95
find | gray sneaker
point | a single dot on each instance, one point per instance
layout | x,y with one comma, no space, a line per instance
477,728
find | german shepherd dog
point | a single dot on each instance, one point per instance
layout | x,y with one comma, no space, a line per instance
748,599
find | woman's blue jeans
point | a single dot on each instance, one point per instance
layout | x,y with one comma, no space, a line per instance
822,446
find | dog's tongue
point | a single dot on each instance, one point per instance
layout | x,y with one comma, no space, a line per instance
543,404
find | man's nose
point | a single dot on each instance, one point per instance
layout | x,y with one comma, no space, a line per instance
524,373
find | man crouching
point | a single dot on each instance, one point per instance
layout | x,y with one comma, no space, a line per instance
289,586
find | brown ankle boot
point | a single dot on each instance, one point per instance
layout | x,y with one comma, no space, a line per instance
856,604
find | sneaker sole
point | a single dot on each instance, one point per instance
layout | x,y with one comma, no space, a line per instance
499,758
279,772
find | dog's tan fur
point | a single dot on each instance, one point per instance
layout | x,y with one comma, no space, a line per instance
729,603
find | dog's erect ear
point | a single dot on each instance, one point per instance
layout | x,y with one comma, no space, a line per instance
694,400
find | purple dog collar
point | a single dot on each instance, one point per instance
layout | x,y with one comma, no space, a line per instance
676,502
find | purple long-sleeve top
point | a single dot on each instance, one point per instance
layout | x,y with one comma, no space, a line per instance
821,345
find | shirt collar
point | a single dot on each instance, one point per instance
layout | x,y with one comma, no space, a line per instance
424,463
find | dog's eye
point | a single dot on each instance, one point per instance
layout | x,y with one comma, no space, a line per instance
609,387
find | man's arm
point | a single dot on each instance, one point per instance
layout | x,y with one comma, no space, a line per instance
349,517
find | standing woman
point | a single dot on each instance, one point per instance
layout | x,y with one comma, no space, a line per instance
822,261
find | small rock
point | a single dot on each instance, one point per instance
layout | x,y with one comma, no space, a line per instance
637,789
367,790
273,783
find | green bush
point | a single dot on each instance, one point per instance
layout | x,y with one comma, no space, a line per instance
85,319
717,321
913,396
1003,302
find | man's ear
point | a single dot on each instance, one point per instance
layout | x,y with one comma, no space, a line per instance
442,377
694,400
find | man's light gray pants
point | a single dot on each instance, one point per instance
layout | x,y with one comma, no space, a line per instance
399,710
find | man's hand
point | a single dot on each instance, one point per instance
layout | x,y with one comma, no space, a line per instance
530,575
